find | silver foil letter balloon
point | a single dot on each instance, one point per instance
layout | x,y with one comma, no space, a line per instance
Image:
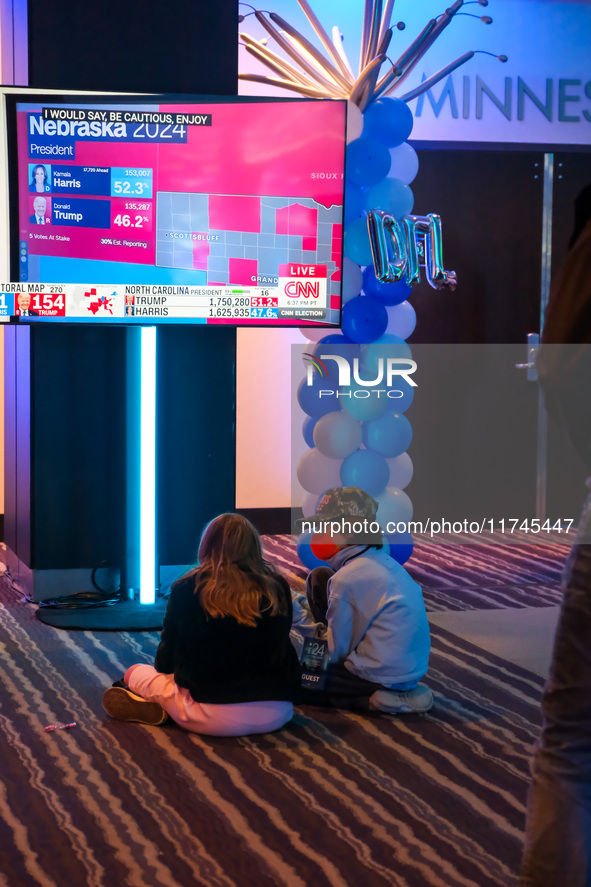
399,249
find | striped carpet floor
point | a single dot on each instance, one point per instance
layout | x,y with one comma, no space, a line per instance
335,798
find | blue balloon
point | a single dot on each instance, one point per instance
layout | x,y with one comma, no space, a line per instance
354,201
367,470
391,196
340,346
306,555
368,161
312,399
364,319
389,435
334,339
308,431
401,546
362,402
389,120
388,293
356,242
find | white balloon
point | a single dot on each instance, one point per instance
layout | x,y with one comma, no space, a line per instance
402,320
309,504
314,334
405,163
317,473
354,122
352,279
337,434
401,470
394,506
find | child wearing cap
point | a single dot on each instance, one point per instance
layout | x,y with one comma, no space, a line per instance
369,610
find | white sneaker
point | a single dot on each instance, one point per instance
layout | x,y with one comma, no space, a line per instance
394,702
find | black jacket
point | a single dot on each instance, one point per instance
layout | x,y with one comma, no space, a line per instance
219,660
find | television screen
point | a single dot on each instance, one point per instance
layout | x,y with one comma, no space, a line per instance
176,210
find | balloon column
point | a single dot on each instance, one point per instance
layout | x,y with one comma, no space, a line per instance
357,439
362,440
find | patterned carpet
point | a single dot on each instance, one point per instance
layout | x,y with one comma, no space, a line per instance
335,798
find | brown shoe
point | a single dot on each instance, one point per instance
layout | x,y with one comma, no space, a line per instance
123,705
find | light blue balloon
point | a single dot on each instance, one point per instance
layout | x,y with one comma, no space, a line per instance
389,120
386,346
402,320
368,161
391,196
337,435
364,403
389,435
367,470
357,246
352,279
399,393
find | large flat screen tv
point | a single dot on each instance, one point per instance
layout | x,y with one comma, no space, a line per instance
135,209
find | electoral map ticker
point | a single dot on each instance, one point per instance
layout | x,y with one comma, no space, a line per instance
300,293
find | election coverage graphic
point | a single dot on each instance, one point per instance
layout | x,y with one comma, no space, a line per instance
231,209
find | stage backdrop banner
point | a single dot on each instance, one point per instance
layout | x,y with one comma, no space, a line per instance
541,95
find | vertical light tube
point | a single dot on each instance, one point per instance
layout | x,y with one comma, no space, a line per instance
148,465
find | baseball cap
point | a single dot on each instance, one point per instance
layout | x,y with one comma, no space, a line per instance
347,511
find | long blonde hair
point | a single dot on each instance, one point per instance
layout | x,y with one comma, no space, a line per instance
233,578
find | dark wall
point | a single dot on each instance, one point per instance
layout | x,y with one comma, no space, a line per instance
490,203
188,46
78,445
196,434
475,423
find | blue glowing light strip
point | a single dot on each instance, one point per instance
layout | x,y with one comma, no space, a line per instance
148,465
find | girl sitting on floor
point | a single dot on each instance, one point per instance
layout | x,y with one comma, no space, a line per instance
225,665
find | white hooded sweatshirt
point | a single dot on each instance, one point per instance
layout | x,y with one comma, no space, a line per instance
377,623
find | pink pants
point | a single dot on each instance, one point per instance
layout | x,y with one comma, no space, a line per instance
238,719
